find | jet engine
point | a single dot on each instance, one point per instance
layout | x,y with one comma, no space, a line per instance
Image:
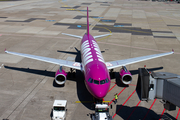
60,76
125,76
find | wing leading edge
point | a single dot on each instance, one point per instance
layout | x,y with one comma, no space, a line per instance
75,65
119,63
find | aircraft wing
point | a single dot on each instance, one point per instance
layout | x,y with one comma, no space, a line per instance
72,35
102,35
119,63
75,65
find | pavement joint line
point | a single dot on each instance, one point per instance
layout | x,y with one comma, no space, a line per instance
170,18
149,109
112,88
134,109
124,103
20,4
113,82
132,85
162,114
42,36
137,47
90,101
118,95
32,90
178,114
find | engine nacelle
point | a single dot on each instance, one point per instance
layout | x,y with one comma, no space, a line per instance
125,75
60,76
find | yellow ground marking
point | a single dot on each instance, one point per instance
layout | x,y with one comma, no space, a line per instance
90,101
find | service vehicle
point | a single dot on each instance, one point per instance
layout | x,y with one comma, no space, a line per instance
59,110
101,112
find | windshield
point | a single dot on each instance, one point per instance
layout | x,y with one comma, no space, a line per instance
107,80
90,80
102,109
102,82
59,108
96,82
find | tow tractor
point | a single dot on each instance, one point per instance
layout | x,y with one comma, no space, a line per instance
101,112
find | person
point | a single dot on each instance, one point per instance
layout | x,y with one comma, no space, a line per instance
116,97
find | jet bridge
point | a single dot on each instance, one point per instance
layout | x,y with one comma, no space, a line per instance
160,85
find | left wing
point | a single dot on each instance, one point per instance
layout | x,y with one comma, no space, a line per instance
119,63
75,65
72,35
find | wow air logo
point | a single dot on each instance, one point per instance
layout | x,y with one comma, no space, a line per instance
98,52
87,52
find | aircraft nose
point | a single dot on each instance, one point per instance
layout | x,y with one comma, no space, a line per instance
100,93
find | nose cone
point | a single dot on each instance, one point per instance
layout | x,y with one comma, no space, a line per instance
100,92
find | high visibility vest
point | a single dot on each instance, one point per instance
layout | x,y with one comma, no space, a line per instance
116,97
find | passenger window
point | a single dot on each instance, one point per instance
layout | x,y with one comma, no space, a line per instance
90,80
96,82
107,80
102,82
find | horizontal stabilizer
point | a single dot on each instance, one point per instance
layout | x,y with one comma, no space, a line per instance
102,35
72,35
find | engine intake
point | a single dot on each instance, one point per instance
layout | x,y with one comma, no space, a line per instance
60,76
125,75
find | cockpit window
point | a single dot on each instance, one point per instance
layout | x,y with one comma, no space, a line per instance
90,80
107,80
96,82
102,82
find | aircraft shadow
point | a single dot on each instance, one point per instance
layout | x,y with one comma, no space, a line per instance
34,71
139,113
116,76
77,53
78,77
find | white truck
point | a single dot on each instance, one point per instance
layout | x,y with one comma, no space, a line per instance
59,110
101,112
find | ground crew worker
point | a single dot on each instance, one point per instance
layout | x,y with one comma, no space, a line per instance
116,97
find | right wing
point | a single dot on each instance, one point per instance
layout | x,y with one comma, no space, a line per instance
119,63
75,65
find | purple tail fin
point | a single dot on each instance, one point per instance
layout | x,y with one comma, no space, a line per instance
87,22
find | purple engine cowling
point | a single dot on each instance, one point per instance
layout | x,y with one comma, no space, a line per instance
125,75
60,76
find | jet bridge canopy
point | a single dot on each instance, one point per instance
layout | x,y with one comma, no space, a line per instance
161,85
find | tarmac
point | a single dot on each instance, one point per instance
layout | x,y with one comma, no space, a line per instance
27,87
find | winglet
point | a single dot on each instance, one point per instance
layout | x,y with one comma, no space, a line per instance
87,22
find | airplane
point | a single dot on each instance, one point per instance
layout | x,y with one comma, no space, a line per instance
93,66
